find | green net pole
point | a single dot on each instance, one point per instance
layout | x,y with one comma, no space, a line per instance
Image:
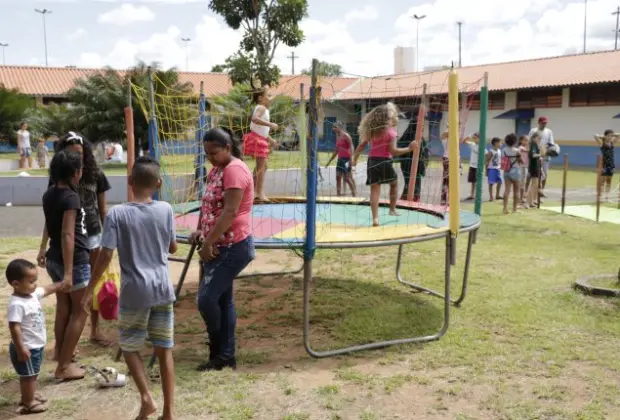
482,144
303,135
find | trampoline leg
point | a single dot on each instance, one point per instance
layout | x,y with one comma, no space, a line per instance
470,241
186,262
371,346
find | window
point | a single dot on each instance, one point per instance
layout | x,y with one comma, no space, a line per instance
539,98
497,100
598,95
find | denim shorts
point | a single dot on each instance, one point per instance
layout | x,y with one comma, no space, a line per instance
81,274
25,151
30,367
514,174
94,241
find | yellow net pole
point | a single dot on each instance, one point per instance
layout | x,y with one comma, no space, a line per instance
453,148
301,132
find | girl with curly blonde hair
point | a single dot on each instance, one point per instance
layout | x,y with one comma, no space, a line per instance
378,128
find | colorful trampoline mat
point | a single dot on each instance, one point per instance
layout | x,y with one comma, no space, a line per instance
337,222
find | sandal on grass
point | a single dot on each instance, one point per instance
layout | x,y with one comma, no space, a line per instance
38,398
109,378
35,408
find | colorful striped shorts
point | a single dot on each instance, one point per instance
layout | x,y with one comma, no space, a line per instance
156,323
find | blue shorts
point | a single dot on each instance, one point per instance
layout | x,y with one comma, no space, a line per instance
495,176
514,174
81,274
135,324
30,367
25,151
607,172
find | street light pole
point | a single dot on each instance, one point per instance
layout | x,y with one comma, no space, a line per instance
186,41
44,12
460,26
417,18
585,24
617,31
3,45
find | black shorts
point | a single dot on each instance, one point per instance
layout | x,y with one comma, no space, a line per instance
607,172
472,175
343,165
534,172
380,171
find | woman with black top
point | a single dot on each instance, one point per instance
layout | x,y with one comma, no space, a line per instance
405,160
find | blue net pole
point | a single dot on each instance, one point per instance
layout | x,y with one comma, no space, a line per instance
312,168
152,133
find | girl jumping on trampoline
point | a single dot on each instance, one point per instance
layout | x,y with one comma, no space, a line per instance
344,150
378,128
257,143
607,142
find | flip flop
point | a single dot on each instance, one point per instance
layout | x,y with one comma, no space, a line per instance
101,342
35,408
37,397
109,378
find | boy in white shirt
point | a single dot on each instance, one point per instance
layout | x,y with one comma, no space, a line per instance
27,326
472,175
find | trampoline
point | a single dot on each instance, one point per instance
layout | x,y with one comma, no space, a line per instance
346,223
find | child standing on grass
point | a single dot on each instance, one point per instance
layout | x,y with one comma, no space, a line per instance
607,142
42,153
523,151
493,164
472,175
535,154
257,143
512,171
344,151
144,234
67,259
378,128
28,334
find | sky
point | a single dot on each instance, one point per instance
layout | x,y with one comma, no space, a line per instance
359,35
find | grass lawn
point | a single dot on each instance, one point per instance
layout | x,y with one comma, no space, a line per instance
524,344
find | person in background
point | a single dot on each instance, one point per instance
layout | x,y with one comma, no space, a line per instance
143,231
406,159
607,142
546,139
511,163
42,152
494,165
535,155
344,151
472,175
115,153
523,150
23,146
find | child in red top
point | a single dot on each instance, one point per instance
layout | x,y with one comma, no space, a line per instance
378,128
257,142
344,150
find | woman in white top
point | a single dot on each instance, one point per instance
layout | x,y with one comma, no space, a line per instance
257,142
115,153
23,146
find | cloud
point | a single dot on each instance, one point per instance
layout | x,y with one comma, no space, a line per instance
77,34
492,31
366,13
127,14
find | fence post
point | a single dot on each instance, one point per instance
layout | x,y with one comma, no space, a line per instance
564,176
599,168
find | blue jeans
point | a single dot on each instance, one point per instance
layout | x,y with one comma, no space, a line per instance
215,295
81,274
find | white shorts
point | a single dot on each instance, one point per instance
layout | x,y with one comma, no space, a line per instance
94,241
523,179
545,169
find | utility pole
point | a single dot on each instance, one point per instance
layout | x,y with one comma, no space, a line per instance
617,13
293,57
186,41
3,45
585,24
44,12
417,18
460,27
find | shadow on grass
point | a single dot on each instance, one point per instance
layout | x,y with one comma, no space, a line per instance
344,312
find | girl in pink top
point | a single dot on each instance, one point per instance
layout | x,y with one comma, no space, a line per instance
524,151
226,243
378,128
257,143
344,150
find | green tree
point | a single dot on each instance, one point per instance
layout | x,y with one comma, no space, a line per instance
218,68
266,25
325,69
13,109
50,120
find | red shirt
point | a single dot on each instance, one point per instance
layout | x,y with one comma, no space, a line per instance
235,175
343,147
380,145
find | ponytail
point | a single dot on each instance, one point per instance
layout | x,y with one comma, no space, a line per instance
223,136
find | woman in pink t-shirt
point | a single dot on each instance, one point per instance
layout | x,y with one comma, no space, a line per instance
378,128
344,150
226,243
